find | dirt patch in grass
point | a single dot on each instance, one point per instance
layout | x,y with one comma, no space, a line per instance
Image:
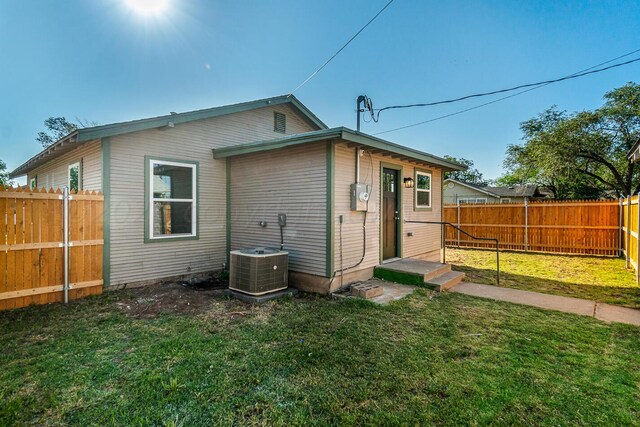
173,298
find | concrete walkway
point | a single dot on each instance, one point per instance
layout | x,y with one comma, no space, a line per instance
601,311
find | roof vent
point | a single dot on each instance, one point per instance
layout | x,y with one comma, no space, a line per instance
279,122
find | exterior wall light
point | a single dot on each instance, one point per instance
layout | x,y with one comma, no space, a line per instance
408,182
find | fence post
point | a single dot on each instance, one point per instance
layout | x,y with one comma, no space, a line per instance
526,225
638,244
444,243
65,239
628,238
458,224
620,226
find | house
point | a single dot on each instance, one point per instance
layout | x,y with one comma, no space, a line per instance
634,152
459,192
182,190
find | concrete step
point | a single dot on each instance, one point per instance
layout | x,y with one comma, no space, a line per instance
446,281
411,271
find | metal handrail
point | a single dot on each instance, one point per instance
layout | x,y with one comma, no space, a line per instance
444,241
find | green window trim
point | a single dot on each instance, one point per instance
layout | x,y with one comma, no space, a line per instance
147,200
417,207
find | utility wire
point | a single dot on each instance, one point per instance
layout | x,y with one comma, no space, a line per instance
539,85
511,89
341,49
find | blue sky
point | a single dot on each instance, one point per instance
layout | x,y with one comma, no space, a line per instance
101,61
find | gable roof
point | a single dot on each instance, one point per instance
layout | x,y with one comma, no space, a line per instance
341,133
83,135
515,191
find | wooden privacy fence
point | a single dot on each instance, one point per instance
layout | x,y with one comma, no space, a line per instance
629,236
590,227
32,246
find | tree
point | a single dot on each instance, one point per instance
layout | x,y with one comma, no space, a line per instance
471,175
582,154
4,175
57,127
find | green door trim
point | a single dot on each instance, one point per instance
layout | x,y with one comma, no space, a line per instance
399,234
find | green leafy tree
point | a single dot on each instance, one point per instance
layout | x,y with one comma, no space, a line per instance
582,154
472,175
57,127
4,175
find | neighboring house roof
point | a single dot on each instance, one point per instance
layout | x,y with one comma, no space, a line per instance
515,191
634,153
472,186
83,135
342,133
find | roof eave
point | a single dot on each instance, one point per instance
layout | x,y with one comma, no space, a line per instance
98,132
337,133
24,168
114,129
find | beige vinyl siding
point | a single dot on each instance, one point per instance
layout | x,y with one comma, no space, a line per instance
426,238
291,181
451,195
55,173
133,260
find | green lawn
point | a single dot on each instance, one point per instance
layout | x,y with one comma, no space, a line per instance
148,357
594,278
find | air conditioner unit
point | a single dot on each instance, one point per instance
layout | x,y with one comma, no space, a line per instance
258,271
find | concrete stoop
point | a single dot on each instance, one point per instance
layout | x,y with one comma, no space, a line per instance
417,272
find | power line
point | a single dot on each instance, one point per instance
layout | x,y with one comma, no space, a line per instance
341,49
540,85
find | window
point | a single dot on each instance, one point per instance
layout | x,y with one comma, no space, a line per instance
73,177
505,200
472,200
279,122
33,183
171,188
423,189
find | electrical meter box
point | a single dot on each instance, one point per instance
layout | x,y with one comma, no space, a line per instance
360,194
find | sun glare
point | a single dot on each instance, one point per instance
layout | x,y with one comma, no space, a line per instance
148,7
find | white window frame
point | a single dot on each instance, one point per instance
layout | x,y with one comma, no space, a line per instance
476,200
33,183
505,200
417,190
193,200
71,166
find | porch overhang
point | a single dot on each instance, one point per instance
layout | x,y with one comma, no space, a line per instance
341,134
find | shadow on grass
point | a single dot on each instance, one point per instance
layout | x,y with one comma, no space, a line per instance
625,296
